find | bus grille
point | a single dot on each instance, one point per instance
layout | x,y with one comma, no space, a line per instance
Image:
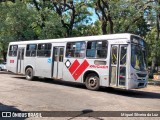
141,75
140,84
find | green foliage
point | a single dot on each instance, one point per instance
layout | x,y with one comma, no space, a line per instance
21,21
153,45
43,19
52,27
88,30
72,13
128,16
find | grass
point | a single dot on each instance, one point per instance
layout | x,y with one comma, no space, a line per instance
150,80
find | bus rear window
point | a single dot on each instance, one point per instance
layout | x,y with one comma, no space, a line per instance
13,50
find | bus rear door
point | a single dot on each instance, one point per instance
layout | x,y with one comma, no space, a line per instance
118,65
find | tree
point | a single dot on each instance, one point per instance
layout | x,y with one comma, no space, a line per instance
7,0
155,47
88,30
102,9
47,24
129,16
27,25
71,13
119,16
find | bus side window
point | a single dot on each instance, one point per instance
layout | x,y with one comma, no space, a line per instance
102,47
97,49
44,50
76,49
13,50
91,47
31,50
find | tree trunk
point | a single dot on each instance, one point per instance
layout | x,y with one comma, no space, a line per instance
153,65
111,25
4,55
104,25
154,60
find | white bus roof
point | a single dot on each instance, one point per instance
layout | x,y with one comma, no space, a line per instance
73,39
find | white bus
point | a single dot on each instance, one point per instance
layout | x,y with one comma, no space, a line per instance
116,60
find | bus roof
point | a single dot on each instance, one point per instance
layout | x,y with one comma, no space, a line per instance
73,39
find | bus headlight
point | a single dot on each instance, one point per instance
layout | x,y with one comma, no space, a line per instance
134,76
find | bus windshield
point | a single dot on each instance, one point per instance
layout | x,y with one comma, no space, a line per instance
138,60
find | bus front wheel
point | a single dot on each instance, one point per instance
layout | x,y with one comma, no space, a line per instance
92,82
29,73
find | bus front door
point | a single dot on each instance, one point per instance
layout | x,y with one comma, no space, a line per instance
118,65
57,64
20,60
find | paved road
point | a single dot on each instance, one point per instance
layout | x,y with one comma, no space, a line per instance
17,93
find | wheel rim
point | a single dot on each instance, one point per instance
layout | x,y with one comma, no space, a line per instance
28,74
92,82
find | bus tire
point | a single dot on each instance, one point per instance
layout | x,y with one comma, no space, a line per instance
0,69
29,73
92,82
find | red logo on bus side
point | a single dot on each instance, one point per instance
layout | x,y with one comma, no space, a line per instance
76,69
11,61
99,66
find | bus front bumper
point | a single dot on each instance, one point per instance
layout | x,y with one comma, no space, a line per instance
133,84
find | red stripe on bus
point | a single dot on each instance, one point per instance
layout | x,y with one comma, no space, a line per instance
74,66
80,69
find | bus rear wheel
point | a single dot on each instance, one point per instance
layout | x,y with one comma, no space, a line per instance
29,74
92,82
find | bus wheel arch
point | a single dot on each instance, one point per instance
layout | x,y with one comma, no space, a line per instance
29,73
91,80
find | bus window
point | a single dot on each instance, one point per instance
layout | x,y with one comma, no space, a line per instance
44,50
97,49
31,50
61,55
13,50
114,55
75,49
123,55
55,54
137,58
21,54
